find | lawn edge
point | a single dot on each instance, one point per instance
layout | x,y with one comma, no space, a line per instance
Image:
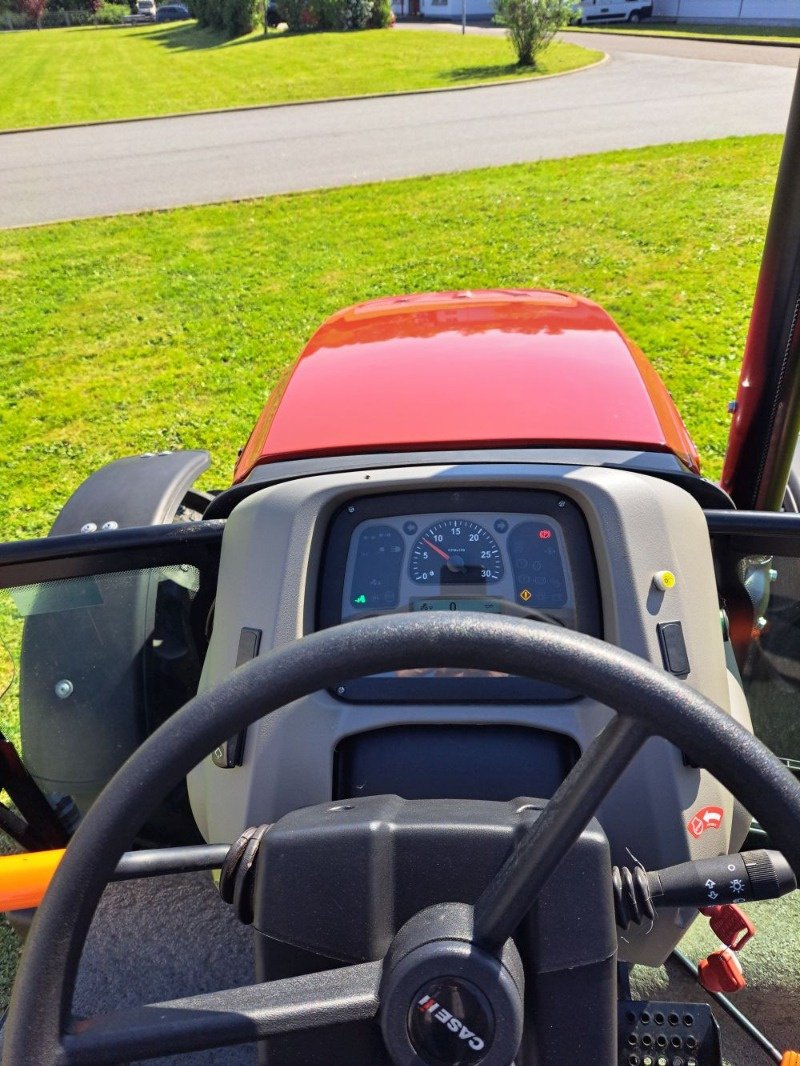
604,57
679,35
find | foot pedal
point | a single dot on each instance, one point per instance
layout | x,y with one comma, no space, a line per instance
667,1034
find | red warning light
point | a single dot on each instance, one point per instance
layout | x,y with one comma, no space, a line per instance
545,534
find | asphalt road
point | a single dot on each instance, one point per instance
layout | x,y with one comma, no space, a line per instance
648,92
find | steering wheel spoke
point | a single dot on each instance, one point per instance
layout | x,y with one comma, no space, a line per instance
220,1019
540,849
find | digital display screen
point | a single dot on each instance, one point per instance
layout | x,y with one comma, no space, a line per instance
444,603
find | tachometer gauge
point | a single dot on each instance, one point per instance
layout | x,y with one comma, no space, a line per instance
456,552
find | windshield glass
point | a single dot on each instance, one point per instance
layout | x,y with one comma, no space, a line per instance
175,230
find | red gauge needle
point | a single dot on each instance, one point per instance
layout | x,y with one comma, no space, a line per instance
438,551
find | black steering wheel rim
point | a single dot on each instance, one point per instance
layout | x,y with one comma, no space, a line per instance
41,1003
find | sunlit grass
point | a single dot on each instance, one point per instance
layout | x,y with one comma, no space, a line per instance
88,74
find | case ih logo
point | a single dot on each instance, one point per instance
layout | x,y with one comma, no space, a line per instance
707,818
429,1006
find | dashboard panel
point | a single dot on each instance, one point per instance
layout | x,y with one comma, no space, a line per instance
284,573
524,553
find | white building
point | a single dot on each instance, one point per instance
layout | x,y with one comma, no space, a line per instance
766,12
776,12
444,9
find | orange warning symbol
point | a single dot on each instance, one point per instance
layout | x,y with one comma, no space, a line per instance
525,595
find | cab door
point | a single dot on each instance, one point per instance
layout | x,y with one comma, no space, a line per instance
757,556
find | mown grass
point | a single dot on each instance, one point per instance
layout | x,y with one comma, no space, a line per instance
88,74
714,30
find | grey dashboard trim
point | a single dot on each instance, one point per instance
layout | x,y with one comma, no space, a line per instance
271,554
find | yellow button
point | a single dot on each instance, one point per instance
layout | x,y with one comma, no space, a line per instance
664,579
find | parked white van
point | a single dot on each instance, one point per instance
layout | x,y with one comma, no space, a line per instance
614,10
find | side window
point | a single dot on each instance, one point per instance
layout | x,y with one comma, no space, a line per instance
759,579
771,667
91,665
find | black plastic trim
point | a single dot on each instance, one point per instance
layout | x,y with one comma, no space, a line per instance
757,531
29,562
705,492
233,1016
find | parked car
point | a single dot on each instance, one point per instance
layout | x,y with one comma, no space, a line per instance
172,13
614,11
146,9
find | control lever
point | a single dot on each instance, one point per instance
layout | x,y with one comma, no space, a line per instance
740,878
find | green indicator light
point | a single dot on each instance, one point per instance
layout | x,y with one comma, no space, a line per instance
360,599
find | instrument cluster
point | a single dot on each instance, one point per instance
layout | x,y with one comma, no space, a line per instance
458,561
520,552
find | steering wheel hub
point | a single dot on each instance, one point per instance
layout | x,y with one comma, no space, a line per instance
451,1022
445,1001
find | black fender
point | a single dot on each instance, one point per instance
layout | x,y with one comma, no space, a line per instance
105,659
140,490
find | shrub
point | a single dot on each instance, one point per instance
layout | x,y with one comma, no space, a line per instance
239,17
234,18
328,14
292,12
207,12
356,14
381,16
530,24
34,10
111,14
304,15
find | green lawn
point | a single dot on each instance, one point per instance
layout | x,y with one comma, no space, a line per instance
715,30
88,74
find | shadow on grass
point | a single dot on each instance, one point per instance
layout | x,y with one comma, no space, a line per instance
181,37
191,38
461,74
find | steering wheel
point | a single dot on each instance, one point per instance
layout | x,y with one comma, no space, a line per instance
648,702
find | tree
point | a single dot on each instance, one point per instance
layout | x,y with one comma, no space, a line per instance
530,24
34,9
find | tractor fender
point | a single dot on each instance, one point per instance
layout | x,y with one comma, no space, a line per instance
140,490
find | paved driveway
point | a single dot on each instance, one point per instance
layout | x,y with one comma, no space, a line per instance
648,92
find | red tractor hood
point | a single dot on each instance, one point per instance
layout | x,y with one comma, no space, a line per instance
467,370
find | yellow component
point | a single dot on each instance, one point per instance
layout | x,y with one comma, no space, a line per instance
791,1058
525,595
24,878
664,579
